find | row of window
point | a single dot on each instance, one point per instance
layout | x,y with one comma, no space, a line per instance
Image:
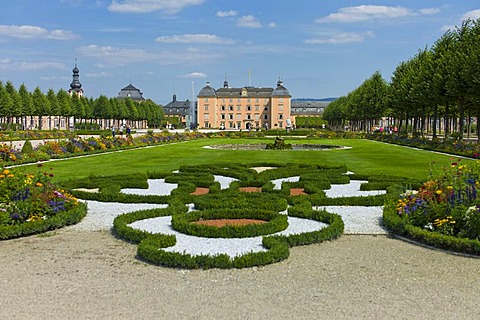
248,100
206,116
239,108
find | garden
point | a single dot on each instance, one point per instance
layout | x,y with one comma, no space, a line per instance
438,207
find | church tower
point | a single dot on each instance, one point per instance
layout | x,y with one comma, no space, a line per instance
76,86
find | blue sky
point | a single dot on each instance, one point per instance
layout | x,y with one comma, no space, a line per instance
319,48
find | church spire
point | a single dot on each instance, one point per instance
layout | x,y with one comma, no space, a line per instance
76,86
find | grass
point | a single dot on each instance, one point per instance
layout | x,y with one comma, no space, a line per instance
365,157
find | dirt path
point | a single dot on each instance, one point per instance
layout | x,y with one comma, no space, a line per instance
92,275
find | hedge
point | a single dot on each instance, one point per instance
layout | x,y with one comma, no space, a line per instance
275,222
61,219
401,227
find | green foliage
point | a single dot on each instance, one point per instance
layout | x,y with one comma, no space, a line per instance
184,223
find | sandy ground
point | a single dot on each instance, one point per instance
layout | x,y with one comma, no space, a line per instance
69,274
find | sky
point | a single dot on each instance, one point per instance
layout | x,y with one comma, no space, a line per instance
318,48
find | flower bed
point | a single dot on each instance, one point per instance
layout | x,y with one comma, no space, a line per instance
444,212
31,204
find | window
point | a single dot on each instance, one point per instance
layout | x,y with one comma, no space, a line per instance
257,116
280,108
222,116
222,107
230,116
239,100
280,99
265,116
231,125
230,108
206,107
206,100
223,99
257,108
206,124
249,116
280,124
239,108
280,116
257,100
248,100
249,108
239,116
265,109
231,100
206,116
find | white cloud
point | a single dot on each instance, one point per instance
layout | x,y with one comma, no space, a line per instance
194,38
373,12
114,56
144,6
229,13
195,75
474,15
7,64
272,25
55,78
34,32
429,11
341,37
248,22
102,74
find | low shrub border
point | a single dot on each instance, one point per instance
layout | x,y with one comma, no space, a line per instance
150,245
401,227
275,223
60,220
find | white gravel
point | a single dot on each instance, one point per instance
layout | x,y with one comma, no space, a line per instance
212,246
278,182
351,190
100,215
357,219
155,187
224,181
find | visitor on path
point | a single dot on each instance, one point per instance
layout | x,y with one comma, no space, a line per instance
113,131
128,131
121,130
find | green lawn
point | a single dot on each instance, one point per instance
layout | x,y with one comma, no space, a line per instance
367,157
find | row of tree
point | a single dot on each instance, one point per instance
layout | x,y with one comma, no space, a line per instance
437,89
18,105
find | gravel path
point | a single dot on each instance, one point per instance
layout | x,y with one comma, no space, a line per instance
83,272
71,274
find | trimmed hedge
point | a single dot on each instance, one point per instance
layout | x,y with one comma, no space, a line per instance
275,223
61,219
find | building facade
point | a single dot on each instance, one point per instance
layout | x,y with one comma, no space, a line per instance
244,108
131,92
309,107
185,111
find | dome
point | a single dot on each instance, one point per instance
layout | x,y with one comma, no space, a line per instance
207,91
280,90
75,70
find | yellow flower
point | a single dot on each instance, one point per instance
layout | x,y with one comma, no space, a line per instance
449,187
439,191
5,172
38,184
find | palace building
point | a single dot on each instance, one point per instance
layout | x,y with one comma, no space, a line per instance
131,92
185,111
244,107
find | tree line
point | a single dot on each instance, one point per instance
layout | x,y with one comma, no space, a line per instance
19,107
435,92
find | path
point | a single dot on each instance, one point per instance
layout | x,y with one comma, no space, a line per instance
92,275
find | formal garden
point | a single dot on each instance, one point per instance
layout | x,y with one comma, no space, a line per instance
426,197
